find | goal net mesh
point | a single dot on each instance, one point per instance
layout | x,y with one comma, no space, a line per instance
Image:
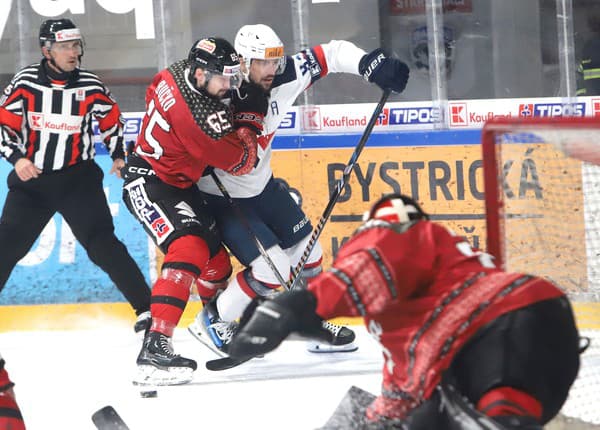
543,217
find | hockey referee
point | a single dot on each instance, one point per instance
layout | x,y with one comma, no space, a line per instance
46,133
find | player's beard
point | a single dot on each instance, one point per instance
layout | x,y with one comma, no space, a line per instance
266,83
222,94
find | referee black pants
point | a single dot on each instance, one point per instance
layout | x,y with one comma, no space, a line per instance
77,194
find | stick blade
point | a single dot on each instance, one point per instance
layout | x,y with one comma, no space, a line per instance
225,363
108,419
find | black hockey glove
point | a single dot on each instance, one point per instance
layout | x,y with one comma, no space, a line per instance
249,105
386,72
265,324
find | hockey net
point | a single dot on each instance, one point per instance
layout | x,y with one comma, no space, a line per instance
542,203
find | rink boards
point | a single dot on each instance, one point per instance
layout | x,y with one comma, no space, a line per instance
442,169
443,165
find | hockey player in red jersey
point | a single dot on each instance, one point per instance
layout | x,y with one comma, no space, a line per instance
10,415
186,130
464,343
284,232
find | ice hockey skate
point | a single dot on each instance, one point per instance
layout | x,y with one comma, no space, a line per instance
159,365
211,330
338,339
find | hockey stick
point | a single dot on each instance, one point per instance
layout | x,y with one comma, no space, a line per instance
244,221
341,183
108,419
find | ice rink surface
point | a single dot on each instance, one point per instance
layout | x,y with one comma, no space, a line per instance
63,377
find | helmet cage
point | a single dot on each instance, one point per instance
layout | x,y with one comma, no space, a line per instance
235,79
281,62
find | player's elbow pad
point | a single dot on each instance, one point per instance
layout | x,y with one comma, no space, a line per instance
249,156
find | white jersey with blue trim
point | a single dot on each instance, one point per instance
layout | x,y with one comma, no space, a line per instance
301,71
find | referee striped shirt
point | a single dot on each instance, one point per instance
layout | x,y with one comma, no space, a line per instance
50,121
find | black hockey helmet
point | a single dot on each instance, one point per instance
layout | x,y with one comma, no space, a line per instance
58,30
395,208
216,56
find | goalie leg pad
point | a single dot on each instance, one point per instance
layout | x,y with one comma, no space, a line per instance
534,348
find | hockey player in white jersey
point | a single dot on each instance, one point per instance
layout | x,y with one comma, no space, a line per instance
273,215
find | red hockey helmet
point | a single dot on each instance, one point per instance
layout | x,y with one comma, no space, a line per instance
396,208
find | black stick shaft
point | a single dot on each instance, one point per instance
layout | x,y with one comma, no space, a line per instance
249,228
341,183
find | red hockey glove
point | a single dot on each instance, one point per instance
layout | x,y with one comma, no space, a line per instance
249,106
386,72
249,157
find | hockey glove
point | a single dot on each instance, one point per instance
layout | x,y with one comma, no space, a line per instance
386,72
249,157
249,106
265,325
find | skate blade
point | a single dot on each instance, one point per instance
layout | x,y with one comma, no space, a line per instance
150,375
328,349
203,337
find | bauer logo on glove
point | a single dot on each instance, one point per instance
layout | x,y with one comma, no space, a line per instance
386,72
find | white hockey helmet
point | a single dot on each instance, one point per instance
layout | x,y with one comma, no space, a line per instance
259,41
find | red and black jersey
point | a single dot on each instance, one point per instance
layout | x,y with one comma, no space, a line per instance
50,121
184,130
423,292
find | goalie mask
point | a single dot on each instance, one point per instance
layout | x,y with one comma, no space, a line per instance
260,42
215,56
395,208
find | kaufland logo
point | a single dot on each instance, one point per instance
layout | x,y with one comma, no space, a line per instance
458,114
36,120
596,108
345,121
311,118
551,109
54,123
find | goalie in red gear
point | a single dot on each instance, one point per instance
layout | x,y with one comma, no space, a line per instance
10,415
451,326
